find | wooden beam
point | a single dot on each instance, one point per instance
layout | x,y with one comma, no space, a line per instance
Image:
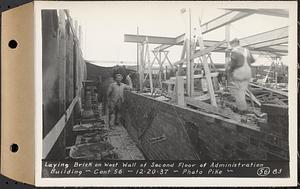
200,52
275,49
256,43
214,24
131,38
179,90
252,97
188,61
269,12
141,67
265,37
272,90
272,42
138,54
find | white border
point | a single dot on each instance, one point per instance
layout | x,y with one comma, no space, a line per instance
292,181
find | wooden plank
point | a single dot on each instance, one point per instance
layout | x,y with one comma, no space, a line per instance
180,90
270,12
273,44
202,52
272,90
147,61
50,139
151,39
252,97
267,36
141,68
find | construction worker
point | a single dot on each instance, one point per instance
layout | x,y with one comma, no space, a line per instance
115,97
239,73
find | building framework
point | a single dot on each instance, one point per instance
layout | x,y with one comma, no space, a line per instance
195,49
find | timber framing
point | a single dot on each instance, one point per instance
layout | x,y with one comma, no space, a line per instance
214,24
150,39
271,43
269,12
265,43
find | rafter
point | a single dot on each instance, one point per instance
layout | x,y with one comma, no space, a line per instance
151,39
268,42
214,24
269,12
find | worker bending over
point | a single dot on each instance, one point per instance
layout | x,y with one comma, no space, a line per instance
115,98
239,73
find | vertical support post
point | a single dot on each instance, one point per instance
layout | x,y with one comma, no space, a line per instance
188,56
137,51
183,53
160,70
227,38
141,67
138,46
276,71
227,53
147,61
179,90
165,73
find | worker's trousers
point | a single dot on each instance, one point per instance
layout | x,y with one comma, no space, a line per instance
238,91
114,109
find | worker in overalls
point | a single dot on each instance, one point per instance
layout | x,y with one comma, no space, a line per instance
115,98
239,73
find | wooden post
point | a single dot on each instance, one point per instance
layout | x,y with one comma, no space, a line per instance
179,90
189,77
147,60
227,38
227,52
141,68
183,53
165,74
137,52
160,70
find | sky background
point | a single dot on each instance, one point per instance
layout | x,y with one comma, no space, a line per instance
105,24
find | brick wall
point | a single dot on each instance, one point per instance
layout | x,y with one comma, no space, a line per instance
192,134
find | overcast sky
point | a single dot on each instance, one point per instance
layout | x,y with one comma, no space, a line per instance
105,24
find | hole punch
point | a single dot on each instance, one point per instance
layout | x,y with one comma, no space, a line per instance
14,148
13,44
